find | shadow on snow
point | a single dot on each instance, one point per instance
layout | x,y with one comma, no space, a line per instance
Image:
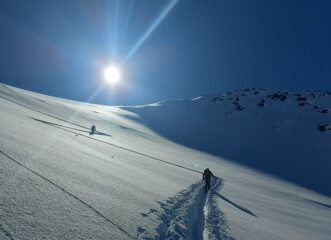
71,128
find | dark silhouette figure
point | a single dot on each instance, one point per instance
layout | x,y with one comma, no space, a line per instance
93,129
207,174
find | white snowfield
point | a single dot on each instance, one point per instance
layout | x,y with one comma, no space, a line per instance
131,180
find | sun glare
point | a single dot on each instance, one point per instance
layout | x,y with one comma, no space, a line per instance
112,74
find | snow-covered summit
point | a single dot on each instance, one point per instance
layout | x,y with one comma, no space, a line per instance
139,175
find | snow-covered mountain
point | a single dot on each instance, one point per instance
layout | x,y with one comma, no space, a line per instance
139,175
287,134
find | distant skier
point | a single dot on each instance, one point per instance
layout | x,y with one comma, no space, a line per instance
207,174
93,130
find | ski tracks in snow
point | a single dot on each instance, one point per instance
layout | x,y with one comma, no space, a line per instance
189,214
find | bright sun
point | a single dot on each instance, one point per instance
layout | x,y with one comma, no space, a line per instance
112,74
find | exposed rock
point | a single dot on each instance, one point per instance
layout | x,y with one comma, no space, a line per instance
301,98
262,103
215,99
324,127
323,110
278,96
303,103
240,108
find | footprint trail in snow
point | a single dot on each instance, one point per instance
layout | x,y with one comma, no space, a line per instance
189,214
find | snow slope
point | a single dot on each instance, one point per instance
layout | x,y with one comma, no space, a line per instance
275,132
128,181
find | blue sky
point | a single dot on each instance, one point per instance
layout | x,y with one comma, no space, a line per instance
60,48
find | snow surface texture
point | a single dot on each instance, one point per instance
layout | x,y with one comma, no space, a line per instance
127,181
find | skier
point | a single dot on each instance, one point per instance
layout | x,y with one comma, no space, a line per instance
93,129
207,174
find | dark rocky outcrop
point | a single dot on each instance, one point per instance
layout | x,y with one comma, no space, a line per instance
240,108
323,110
278,96
324,127
262,103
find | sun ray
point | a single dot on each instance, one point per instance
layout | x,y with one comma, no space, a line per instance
150,30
